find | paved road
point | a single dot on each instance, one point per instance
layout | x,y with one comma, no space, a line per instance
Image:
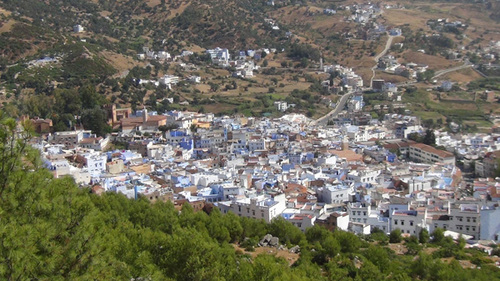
343,100
340,106
381,54
445,71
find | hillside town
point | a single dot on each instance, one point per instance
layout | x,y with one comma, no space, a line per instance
352,177
250,140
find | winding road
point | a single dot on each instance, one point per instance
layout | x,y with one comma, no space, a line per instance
339,107
343,100
381,54
438,73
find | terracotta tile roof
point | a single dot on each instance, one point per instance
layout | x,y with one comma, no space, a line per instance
134,121
432,150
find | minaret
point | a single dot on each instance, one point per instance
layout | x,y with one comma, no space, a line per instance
345,143
144,115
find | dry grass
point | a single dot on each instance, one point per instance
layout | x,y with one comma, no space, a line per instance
365,73
398,248
416,19
463,76
119,61
179,10
434,62
292,86
194,48
5,12
290,257
105,13
463,263
152,3
7,26
390,77
204,88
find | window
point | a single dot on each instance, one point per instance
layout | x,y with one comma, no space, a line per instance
411,223
395,222
402,222
468,219
364,213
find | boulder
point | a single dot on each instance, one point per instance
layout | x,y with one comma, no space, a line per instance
265,241
274,242
295,249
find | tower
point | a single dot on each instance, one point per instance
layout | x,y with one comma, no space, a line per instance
144,115
345,143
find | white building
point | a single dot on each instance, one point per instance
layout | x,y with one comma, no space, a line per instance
96,163
59,167
258,207
219,56
169,80
281,105
427,154
69,138
490,224
407,221
194,79
334,194
303,221
463,219
258,144
162,55
78,28
98,144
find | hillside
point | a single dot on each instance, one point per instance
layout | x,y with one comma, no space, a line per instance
170,24
51,229
299,33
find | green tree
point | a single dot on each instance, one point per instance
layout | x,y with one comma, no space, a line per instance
95,119
429,138
395,236
67,101
423,236
378,256
285,231
349,242
437,235
89,97
369,272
